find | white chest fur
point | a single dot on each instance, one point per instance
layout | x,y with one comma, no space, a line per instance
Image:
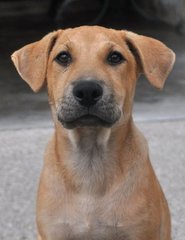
84,214
89,160
84,217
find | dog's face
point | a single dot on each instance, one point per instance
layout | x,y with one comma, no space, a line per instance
88,78
91,72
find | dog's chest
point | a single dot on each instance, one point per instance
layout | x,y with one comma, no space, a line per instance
86,219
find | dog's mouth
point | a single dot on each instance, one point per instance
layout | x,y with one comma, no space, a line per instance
87,120
72,114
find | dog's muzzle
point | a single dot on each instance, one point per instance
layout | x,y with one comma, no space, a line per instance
88,103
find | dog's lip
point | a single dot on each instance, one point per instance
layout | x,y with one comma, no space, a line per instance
89,118
86,120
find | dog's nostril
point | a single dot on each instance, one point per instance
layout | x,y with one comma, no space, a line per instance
87,93
96,94
79,95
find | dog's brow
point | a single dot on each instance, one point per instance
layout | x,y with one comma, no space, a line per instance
111,45
68,45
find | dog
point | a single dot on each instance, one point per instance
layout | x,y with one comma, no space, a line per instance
97,181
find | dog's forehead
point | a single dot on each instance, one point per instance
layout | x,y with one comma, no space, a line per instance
89,35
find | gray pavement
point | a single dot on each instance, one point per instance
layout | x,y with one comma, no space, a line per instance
25,127
21,161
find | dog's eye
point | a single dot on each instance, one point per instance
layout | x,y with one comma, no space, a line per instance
64,58
115,58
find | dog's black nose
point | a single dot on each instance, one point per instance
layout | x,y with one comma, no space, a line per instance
87,93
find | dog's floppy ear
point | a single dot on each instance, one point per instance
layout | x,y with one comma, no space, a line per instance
31,60
156,60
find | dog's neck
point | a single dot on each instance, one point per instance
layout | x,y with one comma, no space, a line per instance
92,156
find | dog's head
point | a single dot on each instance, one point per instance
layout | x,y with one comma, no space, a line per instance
91,72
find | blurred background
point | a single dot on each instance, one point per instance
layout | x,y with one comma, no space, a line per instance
25,120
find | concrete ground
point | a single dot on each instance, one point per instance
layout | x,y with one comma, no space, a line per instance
25,127
21,161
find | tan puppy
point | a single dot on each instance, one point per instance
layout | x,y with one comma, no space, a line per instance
97,181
